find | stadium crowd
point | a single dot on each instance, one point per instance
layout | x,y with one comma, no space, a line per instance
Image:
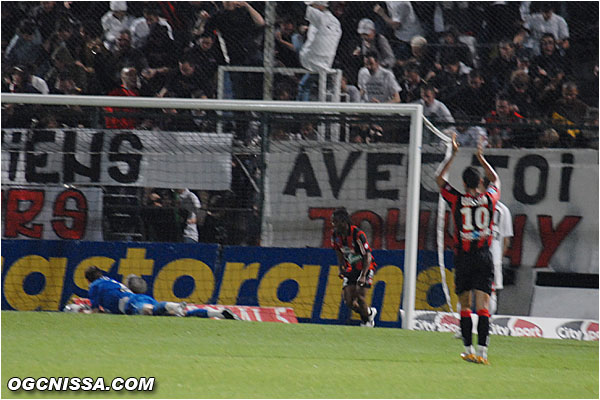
502,66
521,74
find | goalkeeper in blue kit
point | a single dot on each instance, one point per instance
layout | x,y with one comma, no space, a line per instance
114,297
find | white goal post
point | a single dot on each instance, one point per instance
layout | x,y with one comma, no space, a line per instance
414,111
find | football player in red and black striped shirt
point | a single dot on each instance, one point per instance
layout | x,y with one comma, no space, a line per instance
474,269
356,265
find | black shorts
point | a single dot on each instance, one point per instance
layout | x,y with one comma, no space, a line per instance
474,270
351,278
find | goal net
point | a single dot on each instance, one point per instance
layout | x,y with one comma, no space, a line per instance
266,173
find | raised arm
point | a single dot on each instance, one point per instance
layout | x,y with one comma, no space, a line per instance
441,181
381,12
255,15
489,171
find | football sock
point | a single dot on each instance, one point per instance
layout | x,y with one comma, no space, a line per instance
483,327
159,309
204,313
482,351
214,314
466,326
198,312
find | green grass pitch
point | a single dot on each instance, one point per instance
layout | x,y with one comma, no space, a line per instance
201,358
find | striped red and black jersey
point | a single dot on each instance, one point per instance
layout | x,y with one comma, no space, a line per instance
473,216
353,247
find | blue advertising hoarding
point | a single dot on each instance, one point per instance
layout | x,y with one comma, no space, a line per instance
44,275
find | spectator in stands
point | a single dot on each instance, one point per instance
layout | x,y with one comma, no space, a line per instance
25,76
501,20
543,23
70,116
184,81
411,84
550,61
549,138
115,21
350,93
458,14
349,14
403,20
307,132
94,59
47,15
140,27
472,99
158,44
67,38
285,52
519,39
62,61
11,15
299,37
129,87
180,16
202,16
451,79
569,110
372,41
207,56
20,81
520,93
240,26
365,133
549,69
48,121
124,55
452,48
423,56
153,199
377,84
549,72
469,136
26,46
65,83
318,51
434,109
505,133
523,61
500,67
189,202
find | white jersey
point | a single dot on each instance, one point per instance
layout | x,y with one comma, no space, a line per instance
191,203
538,26
322,39
502,228
113,26
403,12
436,111
381,86
140,30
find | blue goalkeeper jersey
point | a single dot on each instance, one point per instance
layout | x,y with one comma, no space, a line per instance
107,292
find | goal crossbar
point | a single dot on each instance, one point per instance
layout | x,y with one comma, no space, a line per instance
212,104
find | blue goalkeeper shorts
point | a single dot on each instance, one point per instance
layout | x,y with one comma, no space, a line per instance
136,303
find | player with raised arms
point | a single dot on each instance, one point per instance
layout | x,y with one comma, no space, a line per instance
108,295
474,269
356,265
